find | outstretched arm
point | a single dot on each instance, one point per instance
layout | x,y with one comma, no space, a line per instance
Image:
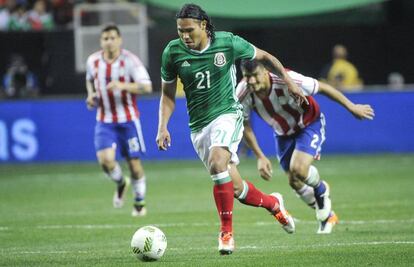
359,111
273,65
263,163
167,105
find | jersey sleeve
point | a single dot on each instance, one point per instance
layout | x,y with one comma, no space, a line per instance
138,72
309,85
242,48
89,70
243,94
168,72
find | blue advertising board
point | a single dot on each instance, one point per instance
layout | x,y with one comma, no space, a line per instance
62,130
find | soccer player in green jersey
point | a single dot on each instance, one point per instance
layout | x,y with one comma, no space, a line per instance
204,61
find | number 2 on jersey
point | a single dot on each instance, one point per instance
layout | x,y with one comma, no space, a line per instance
204,79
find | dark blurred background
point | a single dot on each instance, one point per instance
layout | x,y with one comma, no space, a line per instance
378,37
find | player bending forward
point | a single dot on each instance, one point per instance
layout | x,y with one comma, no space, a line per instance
299,131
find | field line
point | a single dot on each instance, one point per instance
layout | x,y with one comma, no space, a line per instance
194,224
261,248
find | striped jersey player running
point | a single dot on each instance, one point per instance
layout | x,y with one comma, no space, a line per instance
299,131
114,78
204,61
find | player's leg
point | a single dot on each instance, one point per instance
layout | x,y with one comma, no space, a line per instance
223,196
105,145
285,146
132,147
307,148
139,187
248,194
211,145
302,190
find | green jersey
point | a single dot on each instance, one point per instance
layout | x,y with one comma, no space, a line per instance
208,76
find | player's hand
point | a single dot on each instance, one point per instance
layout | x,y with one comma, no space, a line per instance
265,168
163,139
297,94
362,112
115,85
92,101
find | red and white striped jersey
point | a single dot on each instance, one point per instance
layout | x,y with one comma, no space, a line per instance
279,108
115,105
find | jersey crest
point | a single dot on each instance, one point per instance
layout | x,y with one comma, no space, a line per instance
219,59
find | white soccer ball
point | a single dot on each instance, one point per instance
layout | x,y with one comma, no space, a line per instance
149,243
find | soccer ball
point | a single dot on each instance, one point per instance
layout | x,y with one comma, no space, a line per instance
148,243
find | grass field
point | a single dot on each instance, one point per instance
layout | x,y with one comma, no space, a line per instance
62,215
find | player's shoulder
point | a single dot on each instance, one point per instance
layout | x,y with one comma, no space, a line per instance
242,91
173,44
224,36
94,56
129,56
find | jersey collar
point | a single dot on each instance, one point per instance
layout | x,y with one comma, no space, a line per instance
205,48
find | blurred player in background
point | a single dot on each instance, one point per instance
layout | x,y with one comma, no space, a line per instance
204,61
299,131
114,78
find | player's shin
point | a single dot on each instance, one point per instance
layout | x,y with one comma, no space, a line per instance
306,193
223,196
139,189
115,174
254,197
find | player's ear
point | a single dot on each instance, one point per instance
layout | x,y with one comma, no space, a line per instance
203,25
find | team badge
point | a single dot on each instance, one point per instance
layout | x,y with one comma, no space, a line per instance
219,59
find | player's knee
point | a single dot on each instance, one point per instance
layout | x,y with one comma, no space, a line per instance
107,164
294,182
217,164
299,171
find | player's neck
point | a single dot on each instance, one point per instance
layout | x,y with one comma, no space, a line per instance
204,43
110,57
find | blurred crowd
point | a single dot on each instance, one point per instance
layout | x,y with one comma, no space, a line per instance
35,15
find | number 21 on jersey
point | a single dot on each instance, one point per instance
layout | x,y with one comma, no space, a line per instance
203,78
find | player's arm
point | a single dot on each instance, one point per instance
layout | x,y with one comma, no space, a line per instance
273,65
359,111
133,88
91,98
167,106
263,163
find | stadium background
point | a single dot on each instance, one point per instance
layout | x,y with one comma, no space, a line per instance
378,34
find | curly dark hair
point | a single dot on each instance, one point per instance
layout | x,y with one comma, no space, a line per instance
192,11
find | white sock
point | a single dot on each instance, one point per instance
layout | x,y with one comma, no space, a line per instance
313,178
139,188
306,193
116,174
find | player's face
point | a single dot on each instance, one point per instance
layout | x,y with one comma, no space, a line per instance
110,41
192,33
257,80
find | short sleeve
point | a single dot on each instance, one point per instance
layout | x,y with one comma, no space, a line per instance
89,69
168,72
138,71
244,96
242,48
309,85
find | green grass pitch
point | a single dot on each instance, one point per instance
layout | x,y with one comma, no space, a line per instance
62,215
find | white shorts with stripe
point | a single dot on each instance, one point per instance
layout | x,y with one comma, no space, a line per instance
225,131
